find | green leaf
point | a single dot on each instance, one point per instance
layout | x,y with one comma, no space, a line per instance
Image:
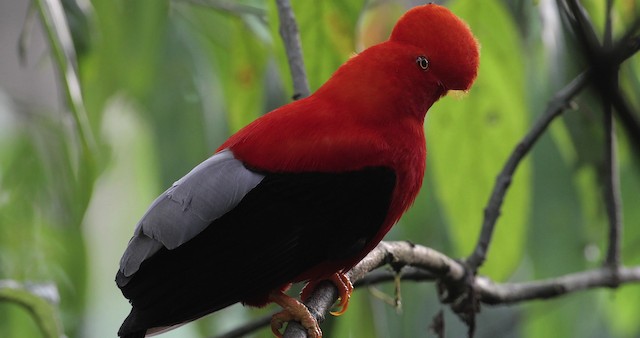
622,311
469,141
575,315
63,52
43,312
43,205
239,57
125,53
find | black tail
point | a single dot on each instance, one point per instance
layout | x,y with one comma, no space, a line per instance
128,328
138,334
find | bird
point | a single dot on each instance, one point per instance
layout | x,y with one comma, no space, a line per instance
302,193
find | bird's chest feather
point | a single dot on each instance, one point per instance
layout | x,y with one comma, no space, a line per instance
292,142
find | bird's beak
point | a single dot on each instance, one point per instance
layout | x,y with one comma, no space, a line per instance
457,94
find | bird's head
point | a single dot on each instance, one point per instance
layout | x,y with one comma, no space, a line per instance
449,49
430,52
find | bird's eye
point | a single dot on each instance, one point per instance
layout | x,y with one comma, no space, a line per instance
422,62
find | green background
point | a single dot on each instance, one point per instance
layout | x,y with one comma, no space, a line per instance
165,82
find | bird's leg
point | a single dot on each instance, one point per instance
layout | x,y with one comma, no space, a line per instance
292,309
341,281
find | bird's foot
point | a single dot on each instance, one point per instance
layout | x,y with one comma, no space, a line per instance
341,281
292,309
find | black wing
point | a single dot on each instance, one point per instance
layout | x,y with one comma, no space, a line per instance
286,225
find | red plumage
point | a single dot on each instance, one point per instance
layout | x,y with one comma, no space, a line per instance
356,119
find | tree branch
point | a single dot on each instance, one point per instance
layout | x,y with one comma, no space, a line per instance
611,188
492,211
397,254
510,293
613,201
291,39
629,45
419,263
625,48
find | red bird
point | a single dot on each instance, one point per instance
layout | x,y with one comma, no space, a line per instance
304,192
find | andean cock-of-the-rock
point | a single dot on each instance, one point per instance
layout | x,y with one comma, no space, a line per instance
304,192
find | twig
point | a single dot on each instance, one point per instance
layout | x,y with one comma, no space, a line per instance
583,27
492,210
629,45
628,120
408,273
291,39
612,190
611,176
606,58
510,293
623,50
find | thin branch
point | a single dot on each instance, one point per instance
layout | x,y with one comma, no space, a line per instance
408,273
510,293
424,264
612,197
603,59
629,43
628,46
291,39
628,119
492,210
583,27
623,50
492,293
613,201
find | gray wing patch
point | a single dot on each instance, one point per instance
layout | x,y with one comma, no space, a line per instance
206,193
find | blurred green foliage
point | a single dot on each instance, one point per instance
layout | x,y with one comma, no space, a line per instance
165,82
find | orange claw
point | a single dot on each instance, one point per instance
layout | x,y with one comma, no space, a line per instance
292,309
341,281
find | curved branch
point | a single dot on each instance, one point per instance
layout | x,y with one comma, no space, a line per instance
625,48
492,210
428,263
419,263
291,39
398,254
